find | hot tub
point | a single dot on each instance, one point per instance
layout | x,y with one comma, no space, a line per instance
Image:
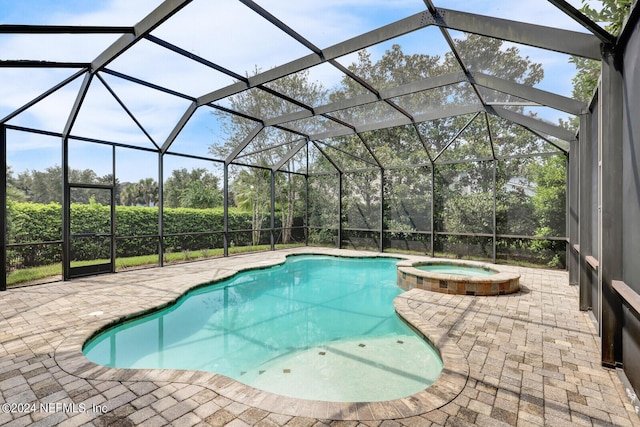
457,277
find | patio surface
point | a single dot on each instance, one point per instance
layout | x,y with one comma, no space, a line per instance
526,359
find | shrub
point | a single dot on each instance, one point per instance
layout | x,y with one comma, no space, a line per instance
34,222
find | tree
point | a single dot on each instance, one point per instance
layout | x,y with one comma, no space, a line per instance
550,198
456,186
198,195
14,194
130,194
46,186
268,147
197,188
249,188
550,207
613,12
144,192
148,188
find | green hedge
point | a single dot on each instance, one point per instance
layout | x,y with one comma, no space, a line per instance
32,222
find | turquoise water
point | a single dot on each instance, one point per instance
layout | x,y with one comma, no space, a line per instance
315,327
456,269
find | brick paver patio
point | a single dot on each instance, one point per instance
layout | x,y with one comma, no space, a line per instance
526,359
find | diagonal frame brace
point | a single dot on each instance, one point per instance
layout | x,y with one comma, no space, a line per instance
247,140
538,96
294,150
533,124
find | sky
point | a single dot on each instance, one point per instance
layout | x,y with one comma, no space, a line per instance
225,32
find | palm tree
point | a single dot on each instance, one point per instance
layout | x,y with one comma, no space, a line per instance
149,191
130,195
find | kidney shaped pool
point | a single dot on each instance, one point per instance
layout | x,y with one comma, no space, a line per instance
316,327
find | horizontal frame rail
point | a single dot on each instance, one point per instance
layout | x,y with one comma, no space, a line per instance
628,295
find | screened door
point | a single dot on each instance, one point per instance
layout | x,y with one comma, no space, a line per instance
91,230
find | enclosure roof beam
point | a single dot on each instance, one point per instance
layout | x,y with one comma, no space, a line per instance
262,150
423,141
247,140
73,114
42,96
126,109
293,131
424,84
585,21
178,127
233,112
558,40
79,138
490,134
493,27
371,89
225,71
147,84
455,137
28,63
333,163
281,25
356,101
454,49
194,57
558,144
290,32
422,117
368,147
63,29
290,154
533,124
549,99
347,153
159,15
369,98
371,38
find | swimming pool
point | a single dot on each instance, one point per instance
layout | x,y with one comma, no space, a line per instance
315,327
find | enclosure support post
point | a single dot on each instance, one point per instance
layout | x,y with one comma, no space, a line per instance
306,197
306,210
381,245
113,209
573,202
66,192
585,238
161,209
273,210
433,204
225,207
3,207
610,223
495,223
339,210
66,212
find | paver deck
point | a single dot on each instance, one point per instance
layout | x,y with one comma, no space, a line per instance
526,359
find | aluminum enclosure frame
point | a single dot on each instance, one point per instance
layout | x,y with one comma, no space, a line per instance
543,37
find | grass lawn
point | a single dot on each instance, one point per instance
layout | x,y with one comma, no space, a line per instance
26,275
54,271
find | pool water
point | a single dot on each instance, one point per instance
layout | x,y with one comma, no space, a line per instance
456,269
315,327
